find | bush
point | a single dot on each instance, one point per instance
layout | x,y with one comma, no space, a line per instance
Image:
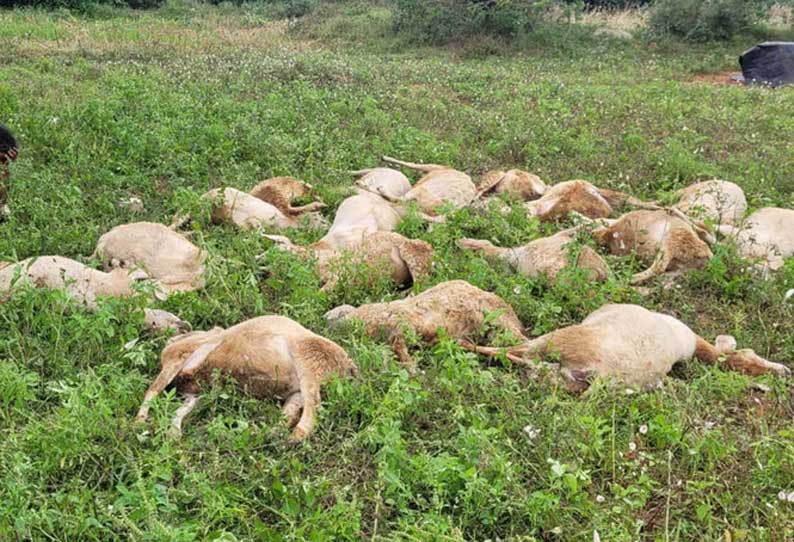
436,22
81,5
704,20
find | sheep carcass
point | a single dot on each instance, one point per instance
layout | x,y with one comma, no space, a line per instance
722,202
546,256
388,183
248,212
581,197
661,239
169,258
633,345
455,306
767,235
404,260
441,185
269,356
280,192
81,282
515,183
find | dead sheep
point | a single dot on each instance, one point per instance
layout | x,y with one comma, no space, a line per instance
515,183
160,321
82,283
721,202
168,257
440,186
662,240
766,235
280,192
456,306
580,197
387,253
632,345
546,256
249,212
268,356
389,184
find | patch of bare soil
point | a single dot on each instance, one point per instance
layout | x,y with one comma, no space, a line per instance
722,78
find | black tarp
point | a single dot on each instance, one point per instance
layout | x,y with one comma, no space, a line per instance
770,63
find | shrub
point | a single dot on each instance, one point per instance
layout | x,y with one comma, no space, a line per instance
436,22
704,20
81,5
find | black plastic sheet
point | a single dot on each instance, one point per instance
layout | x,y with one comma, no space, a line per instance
770,63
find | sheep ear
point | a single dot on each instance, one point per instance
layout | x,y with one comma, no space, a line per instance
418,257
725,344
199,356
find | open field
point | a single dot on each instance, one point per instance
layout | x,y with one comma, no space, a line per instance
168,104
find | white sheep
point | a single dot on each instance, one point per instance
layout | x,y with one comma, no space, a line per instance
440,186
766,235
632,345
168,257
722,202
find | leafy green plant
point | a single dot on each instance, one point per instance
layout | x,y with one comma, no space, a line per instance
704,20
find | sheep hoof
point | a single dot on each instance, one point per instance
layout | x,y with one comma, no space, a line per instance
297,435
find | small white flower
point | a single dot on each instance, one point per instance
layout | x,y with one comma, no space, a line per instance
629,391
531,432
789,294
709,424
557,531
790,497
643,429
596,536
600,499
632,446
517,290
781,496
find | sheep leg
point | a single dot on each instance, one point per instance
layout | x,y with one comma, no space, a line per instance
424,168
741,362
660,264
310,392
480,245
188,404
169,372
292,409
400,348
309,208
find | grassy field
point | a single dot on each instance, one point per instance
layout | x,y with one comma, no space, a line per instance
168,104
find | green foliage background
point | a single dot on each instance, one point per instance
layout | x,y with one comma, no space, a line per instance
164,105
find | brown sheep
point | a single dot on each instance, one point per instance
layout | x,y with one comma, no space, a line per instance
269,356
454,306
562,199
81,282
766,235
515,183
441,185
404,260
633,345
168,257
722,202
546,256
661,239
280,192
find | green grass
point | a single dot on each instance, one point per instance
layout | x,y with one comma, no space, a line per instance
167,104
